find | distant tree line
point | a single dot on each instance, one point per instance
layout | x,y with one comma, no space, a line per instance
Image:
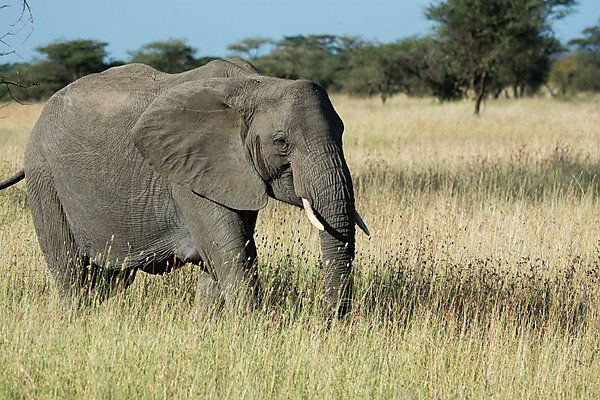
579,70
479,49
64,62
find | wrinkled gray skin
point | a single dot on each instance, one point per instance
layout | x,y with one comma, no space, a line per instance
140,170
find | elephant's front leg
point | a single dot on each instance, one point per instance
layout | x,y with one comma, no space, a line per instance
225,242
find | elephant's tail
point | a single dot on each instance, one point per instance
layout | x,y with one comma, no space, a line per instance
19,176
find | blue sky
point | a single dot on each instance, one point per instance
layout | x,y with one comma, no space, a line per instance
210,26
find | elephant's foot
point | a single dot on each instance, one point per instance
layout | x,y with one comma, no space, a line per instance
214,296
208,301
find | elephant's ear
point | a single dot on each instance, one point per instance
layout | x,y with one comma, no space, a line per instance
192,137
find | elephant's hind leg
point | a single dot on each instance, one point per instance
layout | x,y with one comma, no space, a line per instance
56,240
97,283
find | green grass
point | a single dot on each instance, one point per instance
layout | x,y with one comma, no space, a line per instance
481,278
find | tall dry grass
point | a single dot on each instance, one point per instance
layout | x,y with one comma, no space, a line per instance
480,278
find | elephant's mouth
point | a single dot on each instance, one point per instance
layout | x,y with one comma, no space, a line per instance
312,217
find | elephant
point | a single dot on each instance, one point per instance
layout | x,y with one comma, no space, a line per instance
134,169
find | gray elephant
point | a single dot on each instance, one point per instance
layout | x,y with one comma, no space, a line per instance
133,169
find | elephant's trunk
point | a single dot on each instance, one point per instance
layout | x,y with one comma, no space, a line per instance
331,195
337,253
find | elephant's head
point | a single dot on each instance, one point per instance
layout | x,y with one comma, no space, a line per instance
238,140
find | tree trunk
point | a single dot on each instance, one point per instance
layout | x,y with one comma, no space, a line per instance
480,92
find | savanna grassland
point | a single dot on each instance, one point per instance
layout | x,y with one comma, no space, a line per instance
481,278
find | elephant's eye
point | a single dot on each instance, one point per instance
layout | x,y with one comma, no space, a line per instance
281,143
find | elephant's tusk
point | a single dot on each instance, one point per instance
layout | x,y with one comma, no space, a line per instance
361,223
311,215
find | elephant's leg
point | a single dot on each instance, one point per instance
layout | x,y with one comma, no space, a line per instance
225,241
55,238
76,276
229,252
99,283
208,293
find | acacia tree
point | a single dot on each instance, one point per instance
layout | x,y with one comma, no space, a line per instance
316,57
300,56
77,58
170,56
526,65
479,37
63,63
249,48
586,60
380,69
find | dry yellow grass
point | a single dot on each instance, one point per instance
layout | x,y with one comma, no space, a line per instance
444,142
16,121
481,278
420,132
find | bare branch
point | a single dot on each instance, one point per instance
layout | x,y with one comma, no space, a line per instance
18,84
24,20
8,84
10,94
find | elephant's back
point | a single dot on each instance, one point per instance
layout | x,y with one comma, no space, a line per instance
107,190
84,128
